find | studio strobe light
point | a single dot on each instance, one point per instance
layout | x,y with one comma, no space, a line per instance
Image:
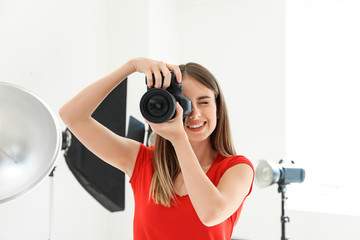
268,173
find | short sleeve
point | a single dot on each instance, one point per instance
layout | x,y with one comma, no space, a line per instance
229,162
238,159
144,156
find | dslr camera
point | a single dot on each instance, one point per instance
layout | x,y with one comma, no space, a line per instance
158,105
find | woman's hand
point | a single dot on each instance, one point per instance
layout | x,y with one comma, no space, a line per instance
173,129
157,68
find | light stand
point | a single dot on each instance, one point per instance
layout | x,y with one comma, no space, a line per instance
51,204
268,173
284,219
66,142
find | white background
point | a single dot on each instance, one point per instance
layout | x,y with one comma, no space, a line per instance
55,48
322,102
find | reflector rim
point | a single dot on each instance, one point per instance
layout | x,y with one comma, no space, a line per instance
275,174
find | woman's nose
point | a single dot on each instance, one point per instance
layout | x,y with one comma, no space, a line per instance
195,113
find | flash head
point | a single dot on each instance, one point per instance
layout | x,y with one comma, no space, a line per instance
268,173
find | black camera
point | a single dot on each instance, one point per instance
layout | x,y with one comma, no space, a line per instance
158,105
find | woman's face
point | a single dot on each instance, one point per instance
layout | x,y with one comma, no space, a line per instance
202,121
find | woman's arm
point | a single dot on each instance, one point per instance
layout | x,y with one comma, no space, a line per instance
118,151
212,204
76,114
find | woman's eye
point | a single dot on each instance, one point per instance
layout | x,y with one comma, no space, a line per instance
203,102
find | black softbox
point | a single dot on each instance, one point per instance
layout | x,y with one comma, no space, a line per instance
103,181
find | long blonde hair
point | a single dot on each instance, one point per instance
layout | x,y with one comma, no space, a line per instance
165,163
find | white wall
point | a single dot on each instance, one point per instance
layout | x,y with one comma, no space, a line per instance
322,79
54,49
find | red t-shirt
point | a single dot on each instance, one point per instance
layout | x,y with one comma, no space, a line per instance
157,222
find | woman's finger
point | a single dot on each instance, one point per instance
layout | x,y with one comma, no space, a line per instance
158,79
149,79
179,110
167,77
176,70
157,69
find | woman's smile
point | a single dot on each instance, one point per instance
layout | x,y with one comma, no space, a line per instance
196,126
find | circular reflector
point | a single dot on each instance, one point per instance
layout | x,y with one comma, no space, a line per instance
30,141
266,173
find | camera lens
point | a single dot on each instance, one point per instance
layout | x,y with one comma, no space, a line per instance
157,105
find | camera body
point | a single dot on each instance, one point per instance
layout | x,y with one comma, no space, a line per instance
158,105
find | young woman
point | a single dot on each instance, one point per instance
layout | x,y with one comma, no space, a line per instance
190,184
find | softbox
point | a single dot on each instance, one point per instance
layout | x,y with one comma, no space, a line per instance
103,181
